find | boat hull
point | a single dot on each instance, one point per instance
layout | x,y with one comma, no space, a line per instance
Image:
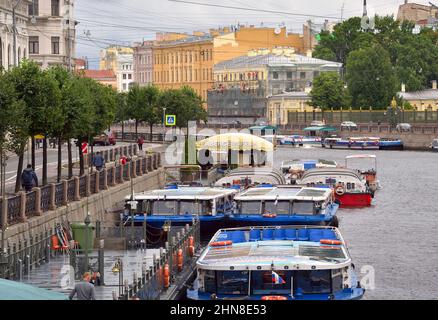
391,145
354,200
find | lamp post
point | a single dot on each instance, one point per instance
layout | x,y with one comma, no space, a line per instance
87,222
3,222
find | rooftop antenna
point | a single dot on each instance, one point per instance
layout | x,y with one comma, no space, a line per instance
365,13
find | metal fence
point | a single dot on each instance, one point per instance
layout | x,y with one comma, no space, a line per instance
71,187
14,209
177,257
30,204
59,194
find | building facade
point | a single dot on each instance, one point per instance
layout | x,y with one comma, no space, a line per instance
415,12
52,32
180,60
281,105
120,60
7,57
143,66
243,85
421,100
105,77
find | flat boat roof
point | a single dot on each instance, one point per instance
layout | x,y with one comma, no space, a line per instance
258,254
330,172
284,193
184,193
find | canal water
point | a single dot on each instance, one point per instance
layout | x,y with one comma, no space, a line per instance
398,236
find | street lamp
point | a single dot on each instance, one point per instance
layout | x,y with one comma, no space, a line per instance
164,117
87,222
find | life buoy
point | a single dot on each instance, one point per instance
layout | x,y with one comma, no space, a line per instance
274,298
269,215
191,251
339,190
166,276
180,260
331,242
221,243
191,241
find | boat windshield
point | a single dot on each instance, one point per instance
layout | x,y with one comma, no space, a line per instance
262,282
232,282
191,207
164,207
250,207
314,281
279,207
303,207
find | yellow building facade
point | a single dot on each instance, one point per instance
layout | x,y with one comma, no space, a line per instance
279,106
181,60
109,57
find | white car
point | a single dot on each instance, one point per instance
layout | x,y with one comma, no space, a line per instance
348,125
317,123
403,127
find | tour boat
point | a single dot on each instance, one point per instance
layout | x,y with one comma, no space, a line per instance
294,169
349,186
368,171
284,205
276,263
244,178
297,140
361,143
180,205
391,144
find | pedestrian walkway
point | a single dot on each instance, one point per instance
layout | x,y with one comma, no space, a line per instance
56,276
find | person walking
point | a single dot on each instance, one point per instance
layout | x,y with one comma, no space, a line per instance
29,179
84,289
98,161
140,142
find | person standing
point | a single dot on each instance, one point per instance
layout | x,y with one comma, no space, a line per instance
140,142
84,289
98,161
29,178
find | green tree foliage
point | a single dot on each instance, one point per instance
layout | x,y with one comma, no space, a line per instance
370,77
328,91
142,105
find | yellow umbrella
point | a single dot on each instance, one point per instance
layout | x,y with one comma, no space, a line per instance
39,136
235,142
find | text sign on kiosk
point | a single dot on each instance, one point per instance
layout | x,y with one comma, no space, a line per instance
170,120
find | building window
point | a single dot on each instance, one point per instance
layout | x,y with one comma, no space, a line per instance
124,87
302,75
275,75
34,45
55,8
34,8
129,76
289,75
315,74
55,45
124,76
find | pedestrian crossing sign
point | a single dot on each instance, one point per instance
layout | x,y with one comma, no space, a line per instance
170,120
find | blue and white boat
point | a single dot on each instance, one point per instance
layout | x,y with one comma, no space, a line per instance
276,263
297,140
360,143
294,169
284,205
180,205
391,144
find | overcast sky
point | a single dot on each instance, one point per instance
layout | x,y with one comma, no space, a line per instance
106,22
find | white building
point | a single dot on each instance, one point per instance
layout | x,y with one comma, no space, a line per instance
125,72
52,32
7,34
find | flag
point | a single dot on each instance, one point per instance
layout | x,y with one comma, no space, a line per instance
276,279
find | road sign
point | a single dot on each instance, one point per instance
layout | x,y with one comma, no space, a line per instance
84,148
170,120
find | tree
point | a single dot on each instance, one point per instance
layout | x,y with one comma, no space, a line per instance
153,113
370,77
122,112
328,91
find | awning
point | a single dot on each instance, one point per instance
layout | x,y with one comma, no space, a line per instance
235,142
321,129
12,290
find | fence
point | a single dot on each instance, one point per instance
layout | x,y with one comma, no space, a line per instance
40,200
115,153
152,283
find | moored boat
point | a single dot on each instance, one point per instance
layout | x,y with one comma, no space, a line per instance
284,205
360,143
276,263
349,186
243,178
294,169
369,171
391,144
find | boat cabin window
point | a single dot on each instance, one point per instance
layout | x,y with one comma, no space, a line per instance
279,207
232,282
313,281
303,207
163,207
262,282
337,283
250,207
190,207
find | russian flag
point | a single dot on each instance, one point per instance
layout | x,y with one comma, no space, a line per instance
276,279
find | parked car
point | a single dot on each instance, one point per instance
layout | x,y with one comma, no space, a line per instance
403,127
434,145
350,125
105,139
317,123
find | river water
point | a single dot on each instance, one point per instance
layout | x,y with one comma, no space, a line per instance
397,236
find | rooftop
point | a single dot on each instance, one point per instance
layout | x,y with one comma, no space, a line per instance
100,74
265,248
285,193
274,60
428,94
184,193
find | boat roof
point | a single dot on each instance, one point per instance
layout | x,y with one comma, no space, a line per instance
287,163
257,175
284,193
184,193
331,171
249,251
361,156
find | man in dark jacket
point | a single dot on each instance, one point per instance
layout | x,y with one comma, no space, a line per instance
29,178
98,161
84,289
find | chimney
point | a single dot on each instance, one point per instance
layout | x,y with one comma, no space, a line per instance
434,84
403,87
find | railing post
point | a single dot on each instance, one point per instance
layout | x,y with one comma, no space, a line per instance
134,168
140,163
23,217
77,196
121,173
158,160
128,176
113,176
38,211
87,185
97,182
5,212
105,178
52,205
65,192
